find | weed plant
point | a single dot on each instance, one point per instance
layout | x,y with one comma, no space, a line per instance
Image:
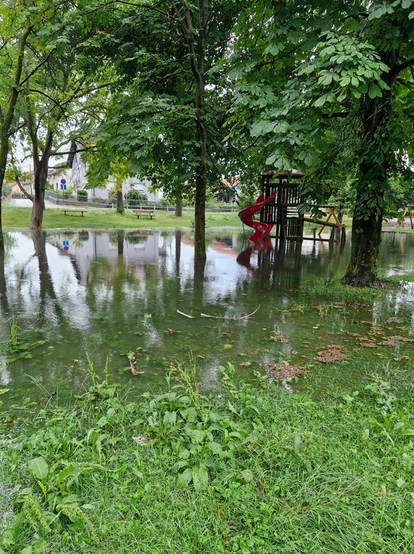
247,470
17,347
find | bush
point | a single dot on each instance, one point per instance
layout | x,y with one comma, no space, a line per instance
82,195
136,195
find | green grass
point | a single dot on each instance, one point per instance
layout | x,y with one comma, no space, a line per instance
252,471
95,218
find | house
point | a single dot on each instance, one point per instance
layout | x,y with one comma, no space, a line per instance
27,185
226,190
59,172
79,179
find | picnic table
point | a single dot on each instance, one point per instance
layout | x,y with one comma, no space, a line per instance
408,209
331,212
149,213
75,211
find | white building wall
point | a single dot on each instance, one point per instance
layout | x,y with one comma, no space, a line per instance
55,177
79,169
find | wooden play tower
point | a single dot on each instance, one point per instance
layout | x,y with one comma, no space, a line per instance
283,213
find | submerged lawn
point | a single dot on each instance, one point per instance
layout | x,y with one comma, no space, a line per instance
247,470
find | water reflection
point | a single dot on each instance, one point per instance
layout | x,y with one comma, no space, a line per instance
285,263
107,294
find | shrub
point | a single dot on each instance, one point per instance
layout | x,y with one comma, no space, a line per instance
136,195
82,195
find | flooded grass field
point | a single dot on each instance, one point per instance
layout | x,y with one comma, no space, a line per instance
138,303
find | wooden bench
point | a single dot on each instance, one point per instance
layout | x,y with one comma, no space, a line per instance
150,213
75,212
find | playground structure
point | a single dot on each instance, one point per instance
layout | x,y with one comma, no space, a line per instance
261,229
284,211
409,214
278,204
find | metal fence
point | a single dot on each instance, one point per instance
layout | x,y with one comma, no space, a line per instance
62,198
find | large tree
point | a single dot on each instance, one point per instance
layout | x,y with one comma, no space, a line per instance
15,28
317,77
58,98
168,111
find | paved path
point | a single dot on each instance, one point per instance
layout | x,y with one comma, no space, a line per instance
26,203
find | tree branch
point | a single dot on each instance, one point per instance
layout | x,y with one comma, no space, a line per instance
336,114
16,176
36,68
25,193
148,7
85,149
404,65
49,97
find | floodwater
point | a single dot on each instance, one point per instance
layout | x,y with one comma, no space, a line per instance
102,295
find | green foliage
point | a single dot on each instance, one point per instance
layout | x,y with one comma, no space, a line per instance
247,195
328,82
112,193
400,194
136,195
82,195
17,347
154,122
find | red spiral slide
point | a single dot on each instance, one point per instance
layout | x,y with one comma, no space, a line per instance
261,230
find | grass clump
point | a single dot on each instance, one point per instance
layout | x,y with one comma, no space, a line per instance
248,470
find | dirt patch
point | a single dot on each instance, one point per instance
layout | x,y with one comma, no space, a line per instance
388,342
355,305
402,339
288,371
334,353
368,344
392,320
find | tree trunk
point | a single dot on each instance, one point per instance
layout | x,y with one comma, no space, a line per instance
119,202
177,250
376,158
366,226
200,210
121,235
3,283
199,270
40,179
7,118
201,177
179,208
366,239
196,46
4,148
